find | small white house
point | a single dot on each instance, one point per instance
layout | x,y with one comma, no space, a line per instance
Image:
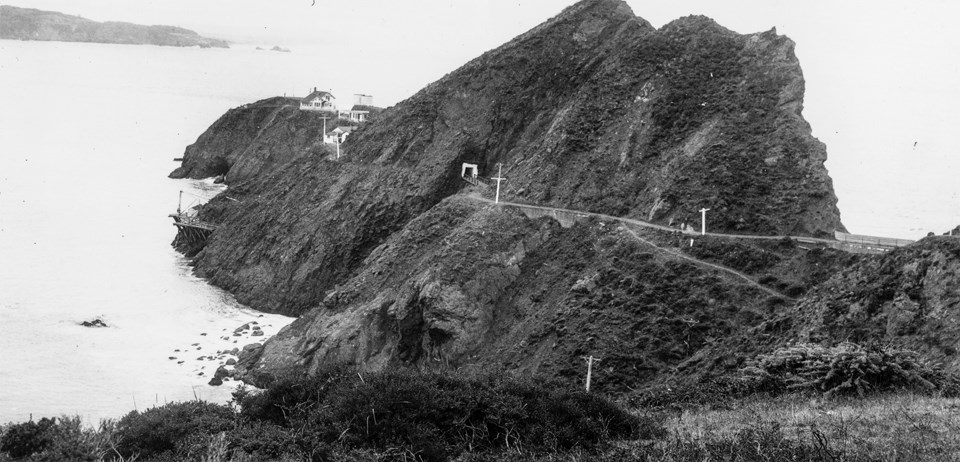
337,135
319,101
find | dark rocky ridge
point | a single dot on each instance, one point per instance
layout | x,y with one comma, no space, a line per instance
254,139
31,24
909,297
593,110
467,284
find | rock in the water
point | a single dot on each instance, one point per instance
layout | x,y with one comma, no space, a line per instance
222,372
256,333
216,382
231,362
242,328
250,355
94,323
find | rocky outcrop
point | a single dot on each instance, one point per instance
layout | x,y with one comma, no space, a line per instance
593,110
469,284
908,297
255,139
30,24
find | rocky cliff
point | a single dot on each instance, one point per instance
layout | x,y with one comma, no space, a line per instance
31,24
255,139
593,110
908,297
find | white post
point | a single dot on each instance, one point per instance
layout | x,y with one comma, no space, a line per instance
179,202
499,178
703,221
590,359
338,147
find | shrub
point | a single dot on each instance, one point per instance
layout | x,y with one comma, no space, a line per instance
172,427
849,368
437,416
259,440
25,439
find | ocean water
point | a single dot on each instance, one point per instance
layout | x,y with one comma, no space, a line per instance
88,133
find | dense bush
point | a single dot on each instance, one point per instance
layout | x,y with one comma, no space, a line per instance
24,439
439,415
849,368
173,427
55,439
342,415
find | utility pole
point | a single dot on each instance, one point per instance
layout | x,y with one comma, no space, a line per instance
703,221
179,202
590,360
499,178
338,146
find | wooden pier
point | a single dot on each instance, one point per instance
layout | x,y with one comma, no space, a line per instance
191,231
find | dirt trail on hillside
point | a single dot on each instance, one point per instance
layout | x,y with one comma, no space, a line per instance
627,222
711,265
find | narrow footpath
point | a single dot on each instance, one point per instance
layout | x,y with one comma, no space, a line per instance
697,261
631,222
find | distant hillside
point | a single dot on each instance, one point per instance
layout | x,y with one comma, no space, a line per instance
30,24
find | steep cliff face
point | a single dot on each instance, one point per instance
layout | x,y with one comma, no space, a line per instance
255,139
593,110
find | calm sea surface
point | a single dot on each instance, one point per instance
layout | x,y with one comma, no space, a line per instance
88,133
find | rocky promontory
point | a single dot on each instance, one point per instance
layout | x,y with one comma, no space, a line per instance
255,139
389,260
32,24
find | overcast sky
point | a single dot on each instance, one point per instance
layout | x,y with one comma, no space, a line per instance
881,75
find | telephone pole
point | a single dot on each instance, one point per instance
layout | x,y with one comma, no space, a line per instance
703,221
499,178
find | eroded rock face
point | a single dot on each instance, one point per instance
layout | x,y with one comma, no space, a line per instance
908,297
255,139
468,284
593,110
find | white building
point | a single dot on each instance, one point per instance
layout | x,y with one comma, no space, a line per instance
337,135
319,101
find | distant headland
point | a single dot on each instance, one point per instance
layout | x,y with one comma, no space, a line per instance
31,24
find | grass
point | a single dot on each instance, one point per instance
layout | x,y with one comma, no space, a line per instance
889,427
886,427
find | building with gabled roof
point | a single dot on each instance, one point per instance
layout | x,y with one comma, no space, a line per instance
337,135
319,101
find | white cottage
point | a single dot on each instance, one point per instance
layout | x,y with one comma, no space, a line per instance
319,101
337,135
